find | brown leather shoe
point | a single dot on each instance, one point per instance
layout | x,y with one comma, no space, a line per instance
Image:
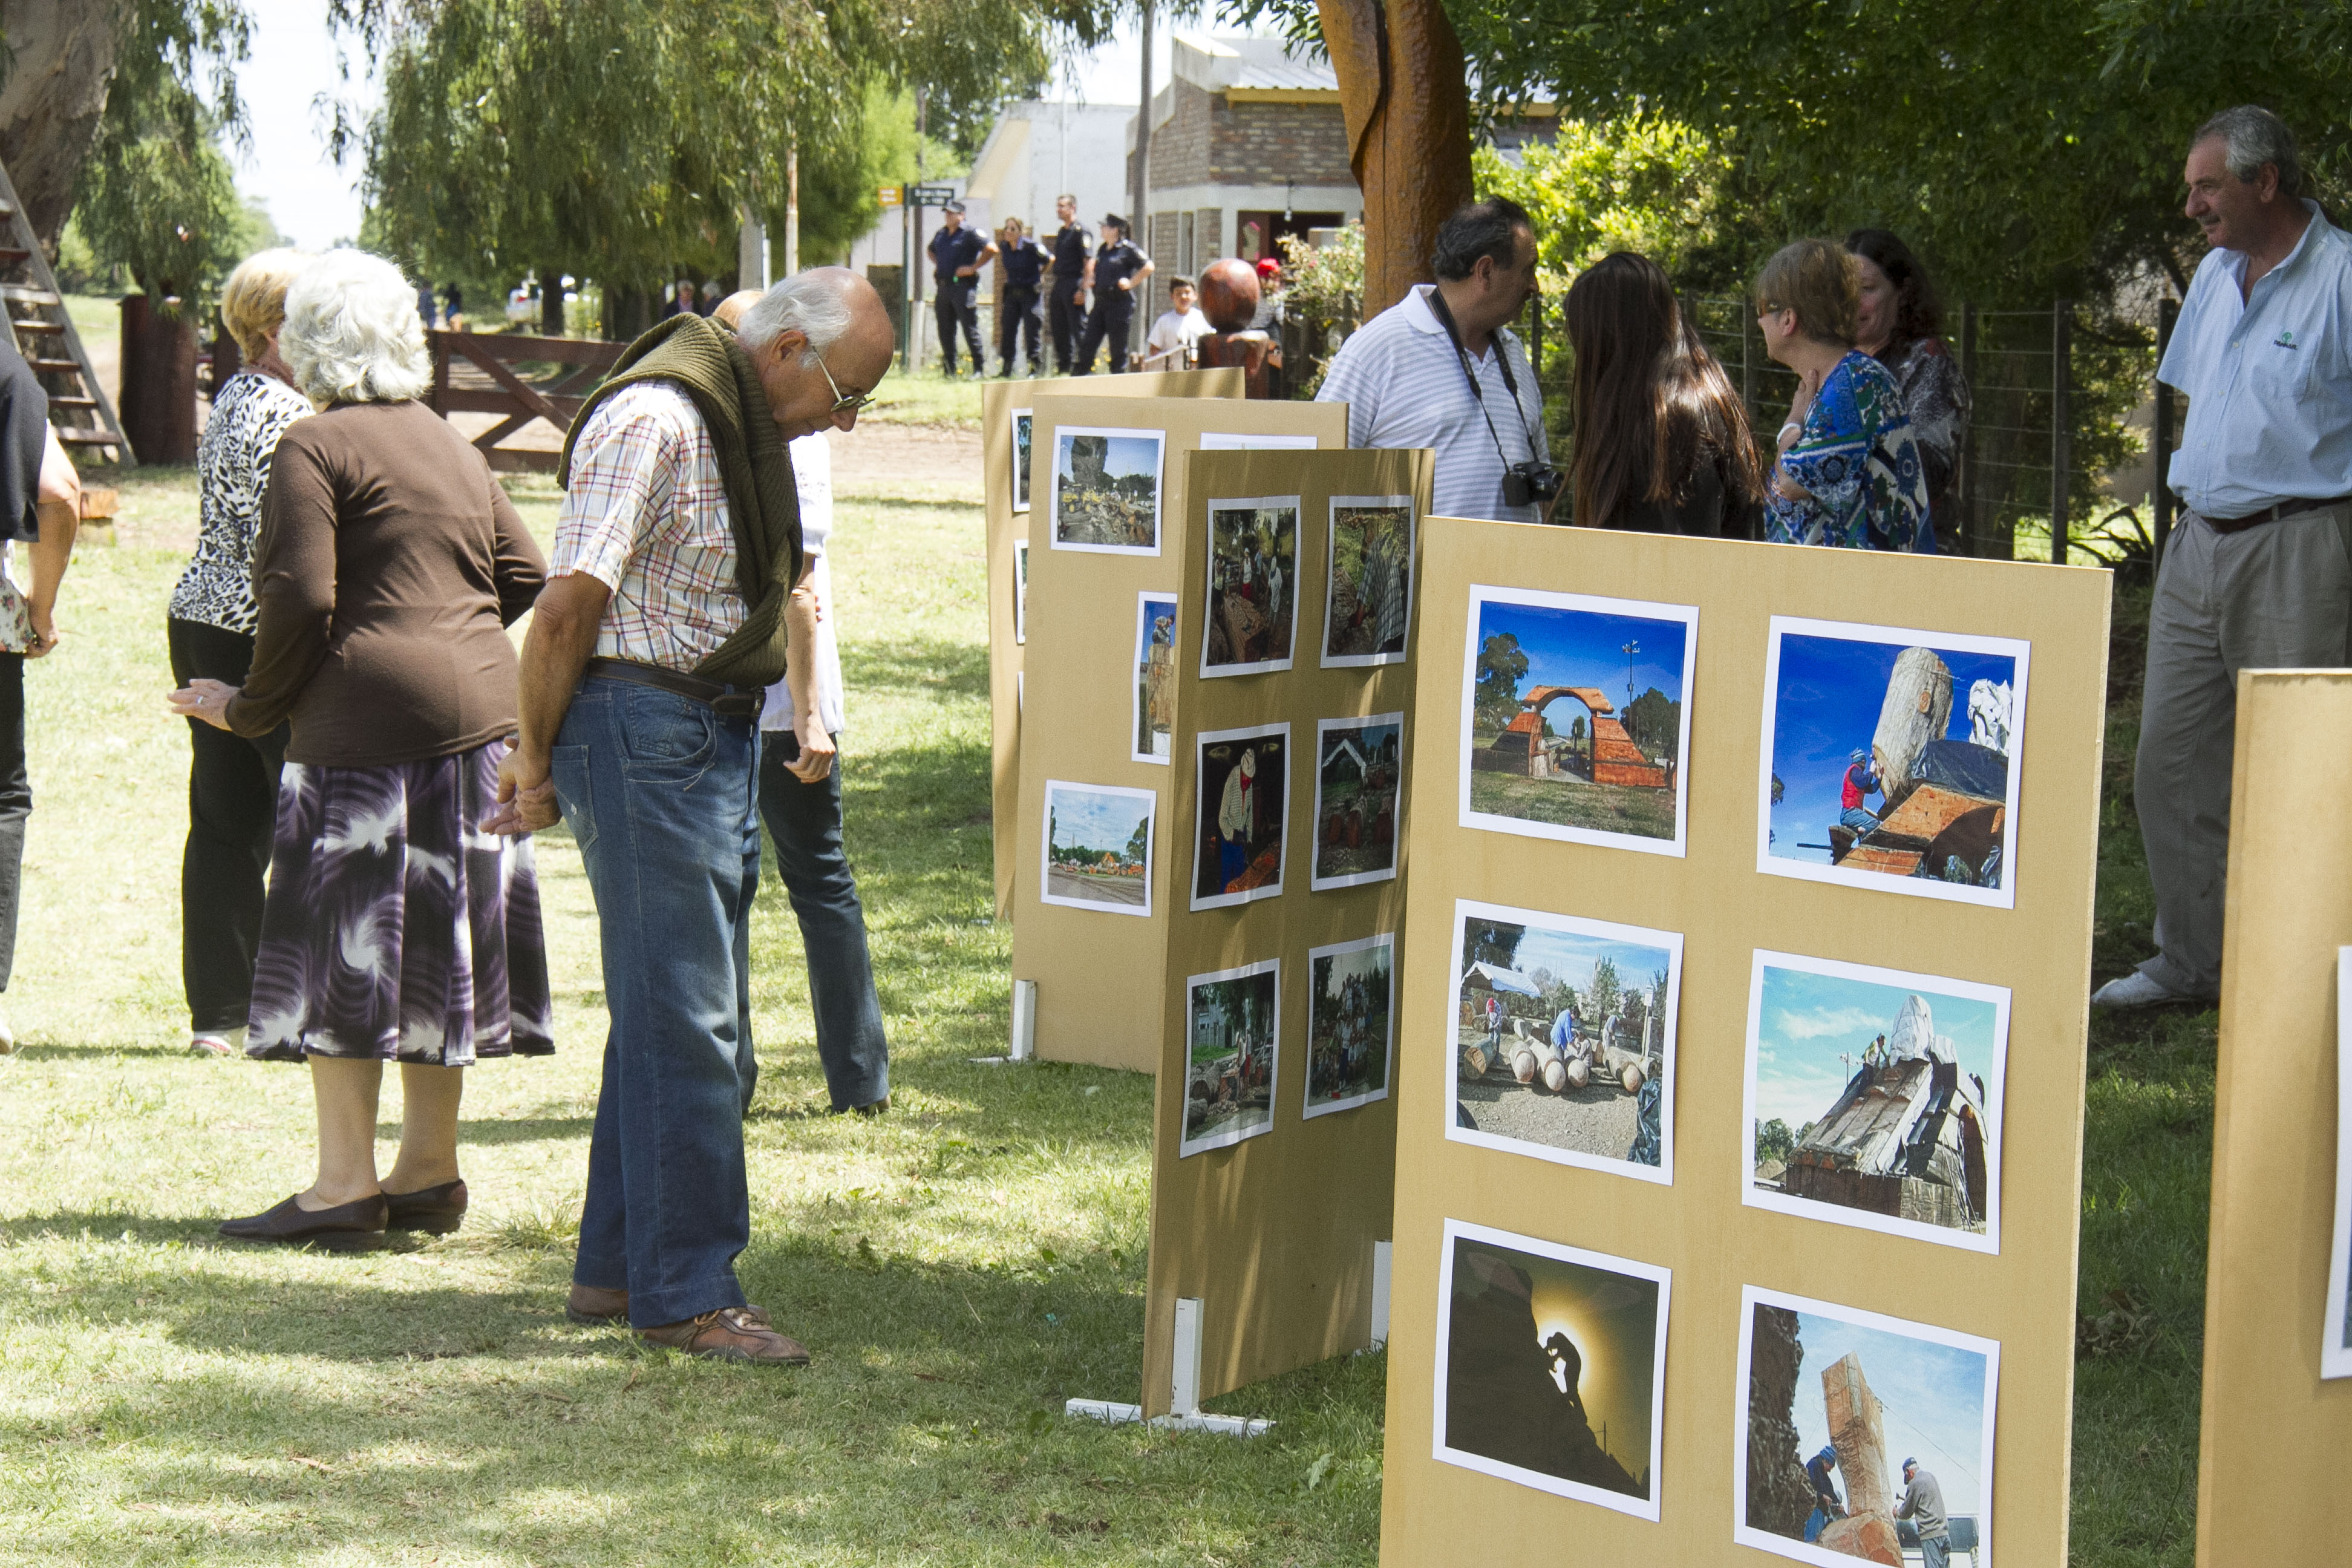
728,1333
347,1227
595,1307
440,1210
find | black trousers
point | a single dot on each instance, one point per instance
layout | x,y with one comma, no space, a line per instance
16,805
954,307
1112,320
1068,319
232,817
1018,319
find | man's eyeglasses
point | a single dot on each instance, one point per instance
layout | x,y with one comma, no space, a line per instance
843,404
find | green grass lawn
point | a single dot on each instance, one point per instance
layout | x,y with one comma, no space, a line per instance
1571,802
959,1267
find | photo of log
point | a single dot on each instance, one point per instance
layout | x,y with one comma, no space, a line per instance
1946,810
1857,1433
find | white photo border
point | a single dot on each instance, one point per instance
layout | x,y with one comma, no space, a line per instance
2001,898
1297,507
1541,598
1135,680
1932,985
1458,1231
1316,883
1235,441
1202,816
2335,1354
1188,1147
1662,1173
1309,1109
1020,592
1020,480
1046,852
1753,1296
1328,659
1053,540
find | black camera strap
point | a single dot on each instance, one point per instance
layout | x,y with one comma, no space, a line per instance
1444,314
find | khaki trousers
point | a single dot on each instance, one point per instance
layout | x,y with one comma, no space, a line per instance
2277,595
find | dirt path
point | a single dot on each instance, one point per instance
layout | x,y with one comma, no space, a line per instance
939,458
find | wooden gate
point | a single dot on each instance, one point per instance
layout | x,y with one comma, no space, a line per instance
478,373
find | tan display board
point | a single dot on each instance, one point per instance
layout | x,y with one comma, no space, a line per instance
1001,402
1650,1266
1271,1222
1097,969
2274,1433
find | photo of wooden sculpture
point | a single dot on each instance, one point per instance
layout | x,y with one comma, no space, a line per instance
1891,759
1551,1366
1106,490
1097,849
1576,718
1368,612
1867,1436
1563,1039
1155,676
1233,1041
1244,800
1020,430
1350,1024
1358,782
1253,586
1873,1098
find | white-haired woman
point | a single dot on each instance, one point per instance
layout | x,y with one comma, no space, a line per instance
388,566
232,780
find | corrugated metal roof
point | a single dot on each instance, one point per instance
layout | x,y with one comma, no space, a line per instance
1265,65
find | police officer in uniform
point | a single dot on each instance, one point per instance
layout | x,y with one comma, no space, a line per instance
957,255
1072,250
1025,267
1119,269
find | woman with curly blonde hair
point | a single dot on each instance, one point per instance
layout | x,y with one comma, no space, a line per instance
388,565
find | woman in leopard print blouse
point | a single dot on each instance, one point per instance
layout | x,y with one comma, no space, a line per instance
232,782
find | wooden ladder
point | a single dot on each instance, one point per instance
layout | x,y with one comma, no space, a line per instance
45,335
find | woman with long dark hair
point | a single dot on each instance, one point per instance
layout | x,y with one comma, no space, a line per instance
1897,324
1662,444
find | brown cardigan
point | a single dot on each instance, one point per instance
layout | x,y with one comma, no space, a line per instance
388,565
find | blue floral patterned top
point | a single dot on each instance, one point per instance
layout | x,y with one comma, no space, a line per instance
1859,463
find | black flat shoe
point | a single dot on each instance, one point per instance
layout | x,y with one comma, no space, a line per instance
440,1209
347,1227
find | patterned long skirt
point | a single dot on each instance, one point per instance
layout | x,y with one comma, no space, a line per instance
394,928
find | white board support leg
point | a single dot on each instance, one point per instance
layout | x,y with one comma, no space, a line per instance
1184,1401
1025,1019
1384,1254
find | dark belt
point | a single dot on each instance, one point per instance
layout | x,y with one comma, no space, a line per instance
2285,509
727,704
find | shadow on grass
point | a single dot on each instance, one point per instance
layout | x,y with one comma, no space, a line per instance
517,1130
948,665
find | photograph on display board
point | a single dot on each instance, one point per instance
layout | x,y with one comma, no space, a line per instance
1097,851
1253,586
1368,610
1874,1097
1350,1024
1245,800
1021,429
1891,759
1358,784
1232,1035
1564,1039
2335,1343
1106,494
1576,718
1155,676
1020,590
1857,1433
1551,1366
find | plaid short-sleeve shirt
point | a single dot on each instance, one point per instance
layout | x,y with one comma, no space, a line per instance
647,516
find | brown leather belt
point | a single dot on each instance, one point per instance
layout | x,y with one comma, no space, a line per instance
719,699
2285,509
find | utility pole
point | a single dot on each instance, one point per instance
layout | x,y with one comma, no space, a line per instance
1628,651
792,211
1138,196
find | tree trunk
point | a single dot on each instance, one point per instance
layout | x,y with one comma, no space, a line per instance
1918,706
63,57
1405,93
159,381
551,302
627,313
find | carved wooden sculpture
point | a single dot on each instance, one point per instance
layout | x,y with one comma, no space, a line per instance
1406,97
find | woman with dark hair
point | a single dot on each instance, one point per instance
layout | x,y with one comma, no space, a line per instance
1663,444
1897,323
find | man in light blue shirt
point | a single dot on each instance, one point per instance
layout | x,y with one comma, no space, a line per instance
2258,573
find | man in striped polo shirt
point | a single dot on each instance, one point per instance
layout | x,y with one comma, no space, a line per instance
1469,393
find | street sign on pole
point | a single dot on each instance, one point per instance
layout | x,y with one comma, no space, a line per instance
930,195
889,196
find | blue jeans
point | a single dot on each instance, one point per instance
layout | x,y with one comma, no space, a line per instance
804,820
658,791
1936,1552
1859,819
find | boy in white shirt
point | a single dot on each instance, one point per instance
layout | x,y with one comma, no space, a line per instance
1178,329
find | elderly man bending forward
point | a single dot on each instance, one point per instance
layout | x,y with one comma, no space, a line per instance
667,610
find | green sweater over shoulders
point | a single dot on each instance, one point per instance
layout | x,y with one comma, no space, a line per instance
755,467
